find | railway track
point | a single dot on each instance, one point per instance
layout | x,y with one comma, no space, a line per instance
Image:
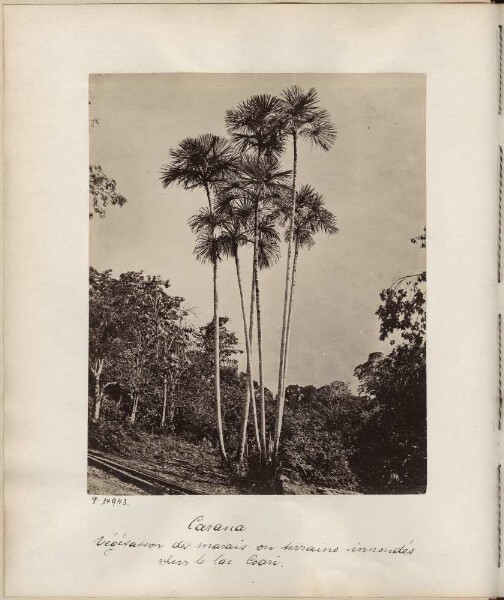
144,479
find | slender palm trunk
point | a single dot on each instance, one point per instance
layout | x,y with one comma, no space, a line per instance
165,399
281,371
255,283
218,413
262,405
250,395
289,318
250,380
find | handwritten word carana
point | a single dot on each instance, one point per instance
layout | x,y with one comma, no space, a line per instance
122,542
198,524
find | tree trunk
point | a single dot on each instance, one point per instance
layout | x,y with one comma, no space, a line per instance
171,411
218,414
293,284
281,370
243,432
134,409
250,380
252,301
261,379
165,398
97,405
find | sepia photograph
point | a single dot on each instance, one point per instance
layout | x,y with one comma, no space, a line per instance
257,284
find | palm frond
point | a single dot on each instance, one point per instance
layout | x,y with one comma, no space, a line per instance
267,254
203,161
204,221
228,244
260,173
312,216
208,248
268,242
320,130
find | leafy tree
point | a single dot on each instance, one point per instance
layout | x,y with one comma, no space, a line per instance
177,347
102,192
104,321
403,305
392,456
147,314
318,434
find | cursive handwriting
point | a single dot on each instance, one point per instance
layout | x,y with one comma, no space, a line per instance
404,549
198,524
122,542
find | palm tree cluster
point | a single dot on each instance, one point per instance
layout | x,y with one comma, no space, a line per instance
250,197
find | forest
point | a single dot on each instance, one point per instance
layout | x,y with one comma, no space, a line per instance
169,388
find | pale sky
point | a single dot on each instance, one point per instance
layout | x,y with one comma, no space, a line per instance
373,180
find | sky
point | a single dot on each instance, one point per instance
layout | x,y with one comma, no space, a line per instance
373,180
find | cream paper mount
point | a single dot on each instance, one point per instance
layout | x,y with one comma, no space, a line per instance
59,539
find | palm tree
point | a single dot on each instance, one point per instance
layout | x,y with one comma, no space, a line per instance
268,253
238,207
204,162
236,212
261,181
302,119
311,218
256,127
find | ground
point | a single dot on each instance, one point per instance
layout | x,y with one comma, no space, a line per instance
104,484
185,464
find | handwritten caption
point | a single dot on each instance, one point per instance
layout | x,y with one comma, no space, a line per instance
195,549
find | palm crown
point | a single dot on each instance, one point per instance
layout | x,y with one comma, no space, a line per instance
257,176
311,216
204,161
257,124
303,117
236,213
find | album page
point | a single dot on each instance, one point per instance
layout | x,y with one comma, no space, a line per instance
250,301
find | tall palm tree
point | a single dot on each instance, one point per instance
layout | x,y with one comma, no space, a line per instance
204,162
256,127
303,119
232,216
261,180
237,207
311,218
268,253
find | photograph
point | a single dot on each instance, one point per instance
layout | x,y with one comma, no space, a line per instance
257,284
